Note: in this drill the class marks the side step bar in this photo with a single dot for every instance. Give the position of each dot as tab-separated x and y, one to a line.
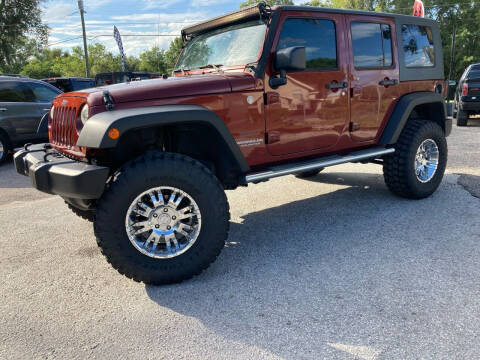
295	168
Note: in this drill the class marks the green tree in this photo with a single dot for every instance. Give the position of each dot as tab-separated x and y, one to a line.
171	55
268	2
21	33
44	64
153	60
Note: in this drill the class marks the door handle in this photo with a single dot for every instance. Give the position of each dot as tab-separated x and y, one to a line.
3	109
337	85
388	82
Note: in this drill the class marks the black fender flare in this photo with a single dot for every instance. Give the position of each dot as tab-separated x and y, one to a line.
403	110
95	132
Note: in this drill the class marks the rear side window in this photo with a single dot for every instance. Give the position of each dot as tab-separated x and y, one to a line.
15	92
473	74
418	47
318	37
372	45
43	93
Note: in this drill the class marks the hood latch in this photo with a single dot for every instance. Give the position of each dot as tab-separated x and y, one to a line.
108	101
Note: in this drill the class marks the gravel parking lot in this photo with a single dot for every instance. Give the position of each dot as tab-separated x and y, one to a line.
334	267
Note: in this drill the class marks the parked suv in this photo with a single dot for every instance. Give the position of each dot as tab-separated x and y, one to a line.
23	103
111	78
259	93
467	96
68	84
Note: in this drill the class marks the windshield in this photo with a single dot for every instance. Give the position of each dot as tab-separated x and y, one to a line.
234	45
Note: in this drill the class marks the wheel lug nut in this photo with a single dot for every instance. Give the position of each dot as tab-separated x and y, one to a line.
169	227
157	226
155	215
165	210
174	218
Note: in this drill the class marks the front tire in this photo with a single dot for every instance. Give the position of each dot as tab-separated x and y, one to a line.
88	215
4	147
163	219
416	169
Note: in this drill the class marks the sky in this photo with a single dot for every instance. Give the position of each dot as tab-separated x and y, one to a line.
133	18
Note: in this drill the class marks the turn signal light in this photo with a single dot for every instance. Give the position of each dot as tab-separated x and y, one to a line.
113	133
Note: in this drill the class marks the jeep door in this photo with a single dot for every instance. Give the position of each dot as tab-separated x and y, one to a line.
374	74
311	111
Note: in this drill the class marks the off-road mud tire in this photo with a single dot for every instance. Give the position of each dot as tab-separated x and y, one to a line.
399	167
151	171
88	215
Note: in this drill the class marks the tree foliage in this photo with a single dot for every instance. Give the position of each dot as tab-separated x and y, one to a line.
21	33
52	63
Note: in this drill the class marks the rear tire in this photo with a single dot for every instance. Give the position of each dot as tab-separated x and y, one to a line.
132	187
462	118
5	147
308	174
401	169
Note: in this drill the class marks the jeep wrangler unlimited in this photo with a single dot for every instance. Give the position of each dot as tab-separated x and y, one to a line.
259	93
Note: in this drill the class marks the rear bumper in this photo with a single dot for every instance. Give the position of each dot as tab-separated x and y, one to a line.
52	173
470	106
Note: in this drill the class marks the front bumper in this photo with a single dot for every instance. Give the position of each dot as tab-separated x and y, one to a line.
52	173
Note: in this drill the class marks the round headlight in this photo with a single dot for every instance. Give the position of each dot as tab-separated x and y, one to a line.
84	114
52	112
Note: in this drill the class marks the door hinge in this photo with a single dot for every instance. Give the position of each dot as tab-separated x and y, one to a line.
272	137
354	126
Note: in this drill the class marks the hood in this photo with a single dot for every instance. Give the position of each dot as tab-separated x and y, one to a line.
172	87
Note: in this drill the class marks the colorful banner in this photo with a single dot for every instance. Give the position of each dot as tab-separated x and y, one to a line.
418	9
118	38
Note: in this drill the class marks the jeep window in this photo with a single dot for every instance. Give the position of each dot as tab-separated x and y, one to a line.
239	44
317	35
43	93
418	46
15	92
372	45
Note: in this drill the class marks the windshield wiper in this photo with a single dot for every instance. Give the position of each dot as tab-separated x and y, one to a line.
216	67
182	70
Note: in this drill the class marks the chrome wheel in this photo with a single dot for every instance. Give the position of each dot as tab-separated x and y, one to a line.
426	161
163	222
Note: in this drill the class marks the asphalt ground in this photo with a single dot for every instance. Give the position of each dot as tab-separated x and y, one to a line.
334	267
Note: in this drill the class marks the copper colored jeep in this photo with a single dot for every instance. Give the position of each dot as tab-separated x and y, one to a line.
256	94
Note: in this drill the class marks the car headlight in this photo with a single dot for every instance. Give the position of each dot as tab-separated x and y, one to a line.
84	114
52	112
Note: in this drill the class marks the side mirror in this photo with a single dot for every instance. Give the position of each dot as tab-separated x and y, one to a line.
292	58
